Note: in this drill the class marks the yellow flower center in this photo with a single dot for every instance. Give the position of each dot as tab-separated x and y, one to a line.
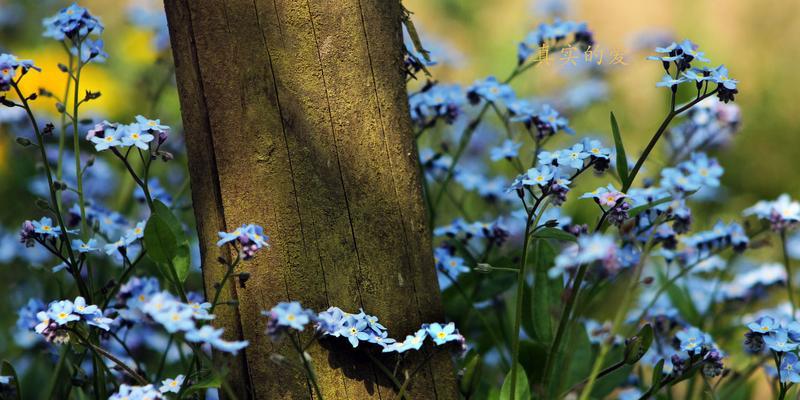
290	317
109	139
62	315
134	136
441	335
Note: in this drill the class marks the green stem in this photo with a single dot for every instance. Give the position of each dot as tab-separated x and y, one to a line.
312	376
787	265
661	129
228	272
63	139
59	365
402	393
532	221
77	145
102	352
53	197
618	317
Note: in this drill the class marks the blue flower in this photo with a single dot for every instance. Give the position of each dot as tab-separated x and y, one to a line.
490	90
355	330
85	247
112	138
781	213
521	111
113	247
8	69
439	101
449	263
790	368
152	125
509	149
71	22
779	341
127	392
414	341
62	312
726	86
172	385
290	315
573	157
5	379
538	176
596	149
764	325
692	339
91	50
133	136
45	227
548	121
720	76
99	321
82	308
553	34
443	334
669	81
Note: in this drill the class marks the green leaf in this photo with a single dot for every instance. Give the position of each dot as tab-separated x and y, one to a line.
546	293
212	382
182	261
159	240
555	233
473	367
638	345
533	357
8	370
658	375
622	159
522	391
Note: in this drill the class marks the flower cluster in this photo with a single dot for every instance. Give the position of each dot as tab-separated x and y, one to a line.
72	22
556	170
9	64
251	237
108	135
554	34
435	102
682	56
547	120
590	249
59	314
129	392
491	90
493	231
356	328
140	300
691	175
169	385
780	337
709	125
613	202
754	282
782	212
683	347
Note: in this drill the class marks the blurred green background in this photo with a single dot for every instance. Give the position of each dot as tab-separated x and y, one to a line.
755	39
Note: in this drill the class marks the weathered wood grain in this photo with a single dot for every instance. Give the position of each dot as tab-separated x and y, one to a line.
296	118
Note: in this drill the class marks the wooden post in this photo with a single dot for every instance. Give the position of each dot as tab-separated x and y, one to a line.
296	118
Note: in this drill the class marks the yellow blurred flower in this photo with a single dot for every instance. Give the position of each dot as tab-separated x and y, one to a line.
93	77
